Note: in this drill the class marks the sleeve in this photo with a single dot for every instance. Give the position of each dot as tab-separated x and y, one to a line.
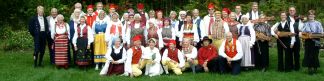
145	34
122	60
274	28
214	53
253	37
74	39
53	32
160	40
221	50
90	36
194	53
202	29
200	57
128	64
165	55
239	54
226	27
108	54
94	27
181	59
128	36
157	56
31	27
320	28
292	30
107	33
68	29
180	33
173	33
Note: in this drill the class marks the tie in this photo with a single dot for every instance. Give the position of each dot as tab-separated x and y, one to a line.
210	23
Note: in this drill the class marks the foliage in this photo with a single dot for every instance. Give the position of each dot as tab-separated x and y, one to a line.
16	40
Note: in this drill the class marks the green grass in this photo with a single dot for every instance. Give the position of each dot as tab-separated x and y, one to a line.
18	66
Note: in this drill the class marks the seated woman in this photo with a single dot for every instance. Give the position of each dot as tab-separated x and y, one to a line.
116	58
153	67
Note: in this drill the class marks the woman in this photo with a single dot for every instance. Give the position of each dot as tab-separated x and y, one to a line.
173	17
61	36
232	24
100	44
153	67
152	32
189	30
246	36
116	58
136	28
114	28
312	45
82	39
167	34
159	18
73	24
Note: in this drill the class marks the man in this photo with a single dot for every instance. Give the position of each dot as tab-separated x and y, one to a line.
254	13
135	62
51	21
238	12
284	42
297	27
77	6
38	28
91	16
207	57
209	19
112	10
144	15
225	14
218	29
99	7
190	54
231	54
182	17
173	58
200	26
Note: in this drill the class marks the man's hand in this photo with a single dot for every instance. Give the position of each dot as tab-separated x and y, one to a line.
75	48
276	36
291	46
88	47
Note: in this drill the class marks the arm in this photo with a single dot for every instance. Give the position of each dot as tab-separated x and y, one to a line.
221	50
252	32
90	36
274	28
31	27
239	54
173	33
165	55
75	37
128	64
108	54
157	56
292	30
181	59
68	29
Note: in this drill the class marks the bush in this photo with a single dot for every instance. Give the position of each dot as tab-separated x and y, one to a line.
17	40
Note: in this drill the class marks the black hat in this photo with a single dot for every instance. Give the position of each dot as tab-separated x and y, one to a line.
206	38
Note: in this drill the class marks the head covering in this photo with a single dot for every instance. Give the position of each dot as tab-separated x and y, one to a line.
112	6
140	6
90	6
210	6
152	39
137	37
228	11
207	39
172	42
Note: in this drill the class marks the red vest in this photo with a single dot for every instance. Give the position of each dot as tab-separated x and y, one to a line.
230	50
113	30
90	20
173	54
84	31
137	54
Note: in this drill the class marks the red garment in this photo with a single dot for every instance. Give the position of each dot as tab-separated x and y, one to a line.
173	54
137	54
210	23
230	50
113	29
143	18
206	53
84	31
91	19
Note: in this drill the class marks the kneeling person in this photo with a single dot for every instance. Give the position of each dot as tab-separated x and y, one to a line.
173	58
207	57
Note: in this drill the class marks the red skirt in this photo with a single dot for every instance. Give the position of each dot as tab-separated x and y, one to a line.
61	51
115	69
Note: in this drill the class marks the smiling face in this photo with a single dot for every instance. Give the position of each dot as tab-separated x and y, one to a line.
292	11
151	44
82	20
117	42
283	16
211	11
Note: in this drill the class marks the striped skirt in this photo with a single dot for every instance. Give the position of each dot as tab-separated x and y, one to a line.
61	50
100	48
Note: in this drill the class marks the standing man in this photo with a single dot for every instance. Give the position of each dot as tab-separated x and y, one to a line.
209	19
51	23
254	13
200	26
144	15
238	12
38	28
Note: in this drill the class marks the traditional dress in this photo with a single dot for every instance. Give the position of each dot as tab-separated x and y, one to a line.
61	39
100	43
208	54
51	22
284	26
114	30
247	38
190	52
208	21
189	30
173	59
83	37
117	54
91	19
261	47
233	28
217	32
252	15
154	67
231	49
312	46
200	29
134	30
135	61
153	32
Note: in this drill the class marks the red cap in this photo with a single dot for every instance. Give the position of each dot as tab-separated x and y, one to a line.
112	6
210	6
228	11
137	37
172	42
140	6
90	6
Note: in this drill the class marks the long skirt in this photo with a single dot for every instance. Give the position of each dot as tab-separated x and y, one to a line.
311	54
82	55
100	48
61	50
115	69
247	59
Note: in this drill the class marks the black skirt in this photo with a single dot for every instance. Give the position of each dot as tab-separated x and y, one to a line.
311	54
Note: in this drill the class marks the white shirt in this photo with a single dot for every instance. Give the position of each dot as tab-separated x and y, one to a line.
148	54
202	27
129	59
41	23
51	22
192	55
252	32
89	32
239	54
108	36
206	23
255	15
193	30
291	28
165	57
116	50
58	30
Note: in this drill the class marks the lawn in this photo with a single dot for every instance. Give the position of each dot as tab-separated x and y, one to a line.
18	66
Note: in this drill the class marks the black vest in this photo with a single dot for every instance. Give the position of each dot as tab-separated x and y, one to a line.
180	24
118	55
285	29
296	24
250	14
246	31
198	27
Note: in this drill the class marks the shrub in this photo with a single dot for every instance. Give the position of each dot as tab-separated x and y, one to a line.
17	40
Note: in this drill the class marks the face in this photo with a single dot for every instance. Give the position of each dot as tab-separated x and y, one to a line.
224	14
126	17
151	24
188	18
292	11
229	36
183	16
115	16
140	10
102	15
255	7
117	42
151	44
82	20
40	12
78	7
111	10
232	16
131	18
245	20
211	11
137	43
152	15
171	45
99	6
166	23
60	19
283	16
54	13
138	18
195	13
77	14
173	15
311	17
238	9
218	16
90	11
186	43
206	43
159	15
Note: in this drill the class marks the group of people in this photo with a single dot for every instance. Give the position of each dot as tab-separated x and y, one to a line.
137	42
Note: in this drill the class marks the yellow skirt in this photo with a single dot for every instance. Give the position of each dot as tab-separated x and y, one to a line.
100	48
